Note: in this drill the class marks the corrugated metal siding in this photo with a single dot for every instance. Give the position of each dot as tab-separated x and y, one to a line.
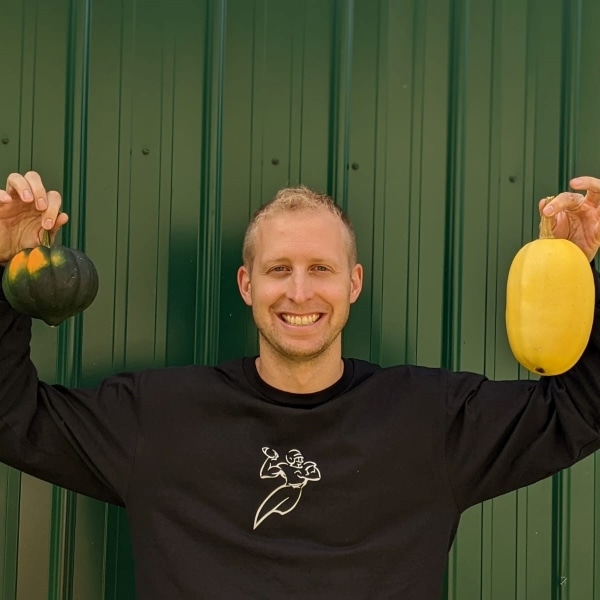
166	123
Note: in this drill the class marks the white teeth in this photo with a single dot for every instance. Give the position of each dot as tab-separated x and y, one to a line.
299	321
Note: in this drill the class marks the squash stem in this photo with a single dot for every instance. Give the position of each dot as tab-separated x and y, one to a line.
46	238
546	228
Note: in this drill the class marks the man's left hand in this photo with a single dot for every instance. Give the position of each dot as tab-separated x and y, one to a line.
577	215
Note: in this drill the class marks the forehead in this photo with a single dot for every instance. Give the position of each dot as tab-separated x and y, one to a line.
301	231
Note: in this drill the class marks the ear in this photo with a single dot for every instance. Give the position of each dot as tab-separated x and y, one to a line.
356	282
243	281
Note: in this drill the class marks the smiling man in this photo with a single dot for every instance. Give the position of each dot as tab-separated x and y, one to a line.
300	277
209	462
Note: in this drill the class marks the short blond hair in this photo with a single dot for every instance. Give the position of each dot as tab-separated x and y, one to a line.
295	199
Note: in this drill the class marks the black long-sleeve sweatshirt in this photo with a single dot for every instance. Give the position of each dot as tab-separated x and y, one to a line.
236	490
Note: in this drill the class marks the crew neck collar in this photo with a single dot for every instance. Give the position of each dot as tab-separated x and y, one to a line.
278	396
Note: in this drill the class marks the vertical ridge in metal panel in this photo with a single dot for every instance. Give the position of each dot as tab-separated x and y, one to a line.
456	123
398	263
27	89
571	35
499	532
379	183
165	186
341	83
189	32
207	316
35	498
10	485
453	253
258	103
11	119
297	92
415	199
505	541
499	120
596	526
121	266
62	531
570	89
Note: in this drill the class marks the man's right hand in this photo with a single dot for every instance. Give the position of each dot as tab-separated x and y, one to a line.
26	210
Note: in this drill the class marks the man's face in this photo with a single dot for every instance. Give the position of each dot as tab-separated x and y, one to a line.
301	283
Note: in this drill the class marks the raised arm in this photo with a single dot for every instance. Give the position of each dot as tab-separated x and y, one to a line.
83	440
503	435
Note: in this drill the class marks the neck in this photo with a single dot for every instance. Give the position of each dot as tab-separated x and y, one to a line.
300	377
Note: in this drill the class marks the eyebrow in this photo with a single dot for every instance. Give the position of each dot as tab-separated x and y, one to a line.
282	259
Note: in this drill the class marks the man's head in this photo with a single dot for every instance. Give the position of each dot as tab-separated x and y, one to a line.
290	200
300	275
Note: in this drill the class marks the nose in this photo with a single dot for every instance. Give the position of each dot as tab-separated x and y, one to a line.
300	288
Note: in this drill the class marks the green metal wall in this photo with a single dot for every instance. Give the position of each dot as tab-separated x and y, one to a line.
165	123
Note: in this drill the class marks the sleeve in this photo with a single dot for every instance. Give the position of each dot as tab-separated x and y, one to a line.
504	435
82	440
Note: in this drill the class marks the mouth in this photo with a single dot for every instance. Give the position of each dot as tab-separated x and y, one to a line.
300	320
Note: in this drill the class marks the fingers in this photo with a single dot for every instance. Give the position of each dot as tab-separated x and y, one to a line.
18	188
572	201
61	220
52	213
29	189
589	184
568	201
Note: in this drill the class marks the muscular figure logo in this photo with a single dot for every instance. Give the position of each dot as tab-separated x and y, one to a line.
296	473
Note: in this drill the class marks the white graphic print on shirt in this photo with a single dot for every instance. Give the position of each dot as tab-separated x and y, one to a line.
296	473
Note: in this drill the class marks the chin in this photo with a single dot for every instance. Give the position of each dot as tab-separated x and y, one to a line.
294	349
302	353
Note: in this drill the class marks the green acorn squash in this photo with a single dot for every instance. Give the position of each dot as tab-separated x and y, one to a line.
50	282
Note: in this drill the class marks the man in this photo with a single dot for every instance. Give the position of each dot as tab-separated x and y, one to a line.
395	455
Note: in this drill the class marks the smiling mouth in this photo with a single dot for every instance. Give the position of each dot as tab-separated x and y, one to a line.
300	321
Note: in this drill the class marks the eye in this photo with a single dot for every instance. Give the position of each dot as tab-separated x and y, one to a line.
321	268
278	269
